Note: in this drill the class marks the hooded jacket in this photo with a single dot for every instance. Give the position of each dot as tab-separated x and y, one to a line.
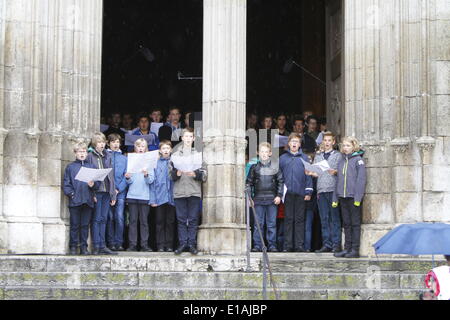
104	161
161	190
351	177
266	180
79	192
295	179
119	163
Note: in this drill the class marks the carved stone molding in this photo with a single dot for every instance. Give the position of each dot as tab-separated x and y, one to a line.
426	143
374	147
401	145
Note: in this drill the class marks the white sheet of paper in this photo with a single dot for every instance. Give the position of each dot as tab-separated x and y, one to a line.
284	192
280	141
130	139
89	174
318	167
188	162
155	127
139	161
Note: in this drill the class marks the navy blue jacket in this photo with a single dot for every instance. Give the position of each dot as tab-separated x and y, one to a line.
79	192
119	162
295	179
161	190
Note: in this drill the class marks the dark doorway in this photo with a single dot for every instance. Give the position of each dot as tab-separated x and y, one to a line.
279	30
145	45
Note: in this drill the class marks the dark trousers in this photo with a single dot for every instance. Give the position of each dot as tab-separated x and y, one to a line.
351	219
330	221
80	217
138	215
188	211
165	226
294	221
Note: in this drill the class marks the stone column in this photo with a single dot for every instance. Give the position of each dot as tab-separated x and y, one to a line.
50	59
393	49
224	95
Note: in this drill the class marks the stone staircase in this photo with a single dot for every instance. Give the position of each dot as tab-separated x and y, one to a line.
166	276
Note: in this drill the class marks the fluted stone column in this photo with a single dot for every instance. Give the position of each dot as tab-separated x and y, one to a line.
396	103
224	95
50	60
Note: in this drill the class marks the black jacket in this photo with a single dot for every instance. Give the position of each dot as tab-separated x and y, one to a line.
79	193
266	181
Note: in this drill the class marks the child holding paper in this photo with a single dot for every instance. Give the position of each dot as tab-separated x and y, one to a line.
138	197
161	198
105	196
266	180
81	200
326	181
349	192
187	194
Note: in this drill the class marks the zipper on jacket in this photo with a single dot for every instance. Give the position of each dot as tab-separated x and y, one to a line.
345	176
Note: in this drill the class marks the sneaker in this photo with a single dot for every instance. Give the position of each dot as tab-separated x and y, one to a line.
160	250
273	249
352	254
84	251
300	249
96	251
337	249
73	251
169	250
146	249
323	250
106	251
193	250
180	249
119	248
132	249
288	250
256	249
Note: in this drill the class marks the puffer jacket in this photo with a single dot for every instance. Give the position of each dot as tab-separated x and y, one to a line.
351	177
266	181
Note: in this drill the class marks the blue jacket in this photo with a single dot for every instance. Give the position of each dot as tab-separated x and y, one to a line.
139	186
151	147
119	162
161	190
295	179
79	192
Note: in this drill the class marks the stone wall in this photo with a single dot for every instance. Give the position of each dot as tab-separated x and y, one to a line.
50	71
397	102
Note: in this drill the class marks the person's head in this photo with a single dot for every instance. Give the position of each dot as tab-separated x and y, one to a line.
350	145
299	125
187	136
328	141
174	115
156	115
267	122
98	141
140	146
323	124
252	120
294	142
306	114
165	148
114	141
80	150
264	151
127	120
116	119
281	121
143	123
312	123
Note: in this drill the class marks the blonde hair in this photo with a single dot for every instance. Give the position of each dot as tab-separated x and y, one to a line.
79	145
165	143
353	141
295	135
98	137
139	142
264	145
185	130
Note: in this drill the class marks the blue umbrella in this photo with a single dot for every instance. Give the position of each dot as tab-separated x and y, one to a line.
416	239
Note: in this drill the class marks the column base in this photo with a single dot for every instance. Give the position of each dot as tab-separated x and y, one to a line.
55	238
25	237
222	238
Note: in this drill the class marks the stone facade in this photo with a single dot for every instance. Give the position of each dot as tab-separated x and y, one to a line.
393	93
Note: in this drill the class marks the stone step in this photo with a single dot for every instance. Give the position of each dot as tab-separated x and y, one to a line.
157	262
104	293
222	280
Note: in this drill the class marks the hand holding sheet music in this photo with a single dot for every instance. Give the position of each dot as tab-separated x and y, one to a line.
318	168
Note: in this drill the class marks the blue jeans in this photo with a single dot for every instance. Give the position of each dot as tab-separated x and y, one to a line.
308	228
188	211
267	216
116	223
100	217
330	220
